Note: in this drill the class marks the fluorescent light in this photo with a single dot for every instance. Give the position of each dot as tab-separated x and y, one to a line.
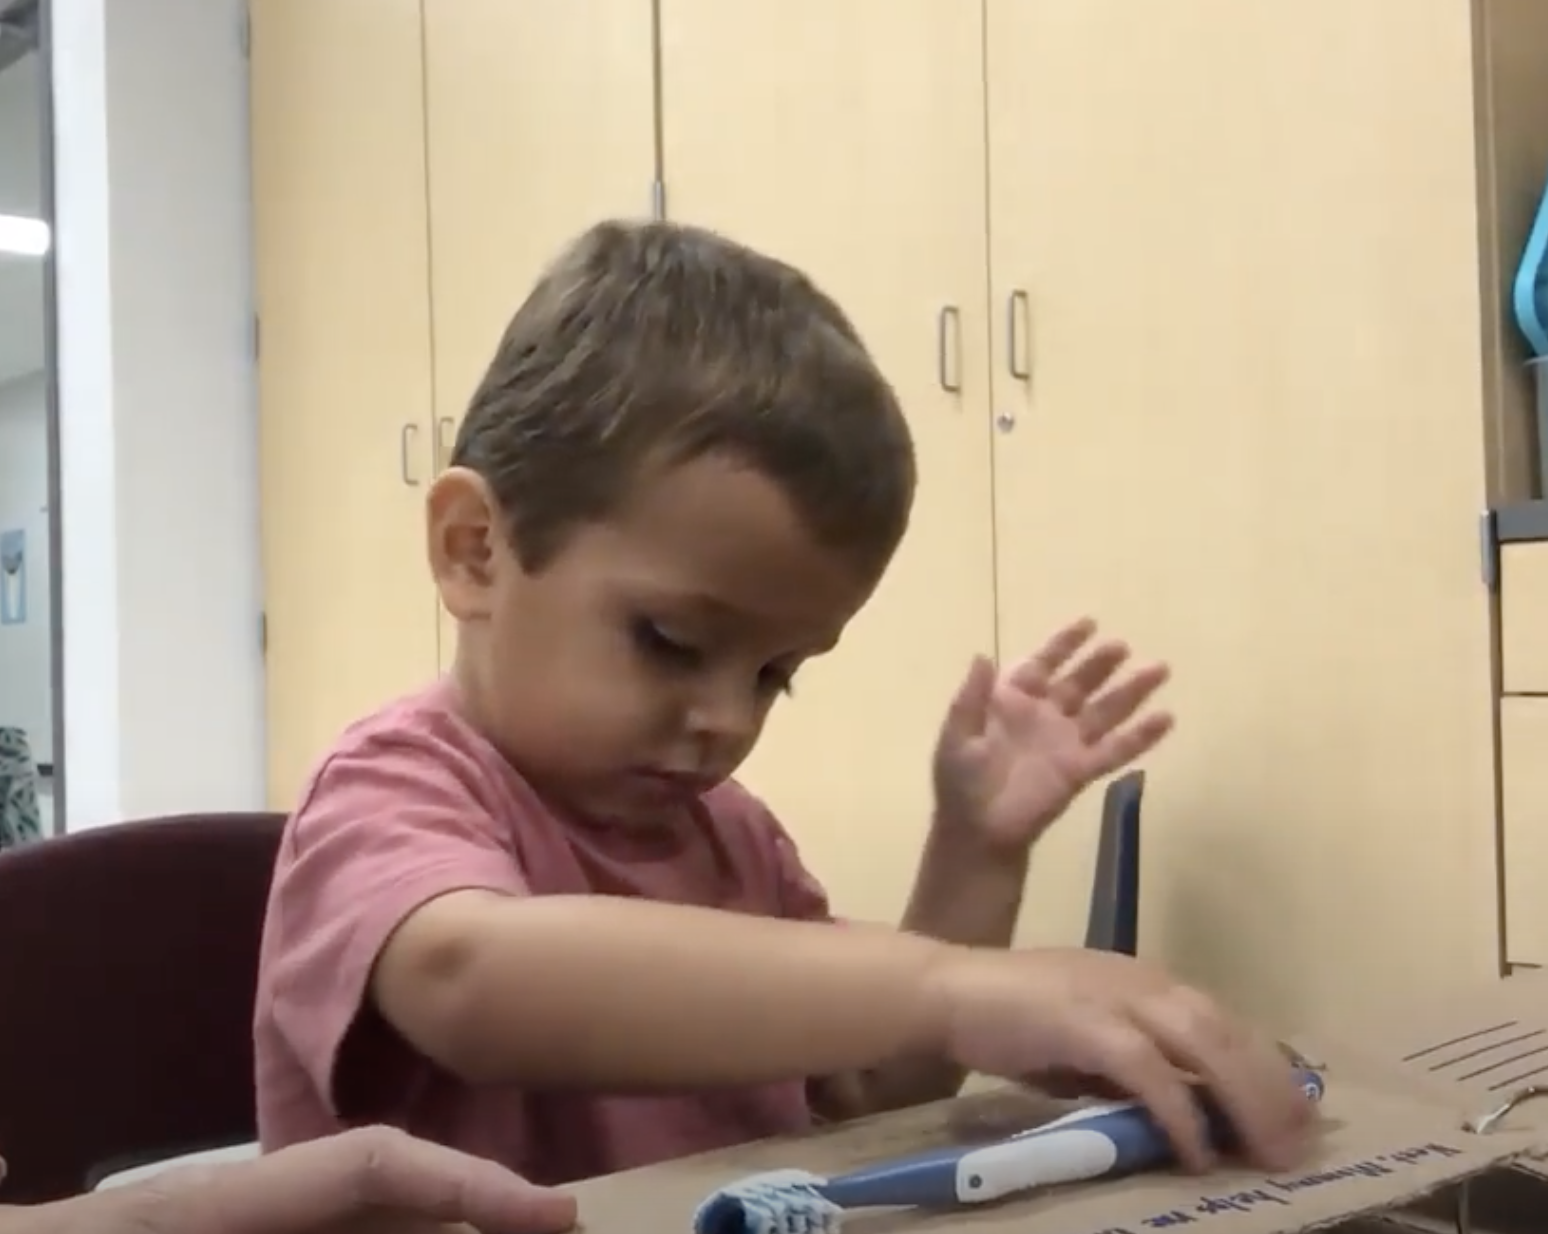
23	236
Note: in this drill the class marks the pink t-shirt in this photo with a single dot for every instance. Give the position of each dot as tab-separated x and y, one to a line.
413	803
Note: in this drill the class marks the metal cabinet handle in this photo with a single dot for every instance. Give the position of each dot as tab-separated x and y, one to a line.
1018	344
948	349
445	440
408	438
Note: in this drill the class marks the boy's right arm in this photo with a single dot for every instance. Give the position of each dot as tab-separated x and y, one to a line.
398	887
628	995
624	994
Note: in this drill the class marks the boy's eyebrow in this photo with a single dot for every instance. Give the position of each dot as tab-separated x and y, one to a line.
671	597
714	606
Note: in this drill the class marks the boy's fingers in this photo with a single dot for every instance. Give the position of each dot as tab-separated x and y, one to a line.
1074	690
1247	1075
968	714
1037	670
1116	706
1125	1054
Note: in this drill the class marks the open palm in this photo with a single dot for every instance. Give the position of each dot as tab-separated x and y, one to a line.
1018	746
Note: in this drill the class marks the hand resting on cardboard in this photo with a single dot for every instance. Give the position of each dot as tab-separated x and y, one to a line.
369	1181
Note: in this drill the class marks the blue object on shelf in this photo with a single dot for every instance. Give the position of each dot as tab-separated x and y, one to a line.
1529	294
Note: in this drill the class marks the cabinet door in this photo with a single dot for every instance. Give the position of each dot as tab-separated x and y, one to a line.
344	370
541	123
1524	819
1240	241
848	139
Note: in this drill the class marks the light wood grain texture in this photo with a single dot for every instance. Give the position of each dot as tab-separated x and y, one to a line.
1263	385
541	119
342	275
1524	620
1524	803
848	139
1250	443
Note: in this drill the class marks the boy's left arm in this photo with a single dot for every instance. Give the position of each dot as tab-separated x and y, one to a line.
1014	751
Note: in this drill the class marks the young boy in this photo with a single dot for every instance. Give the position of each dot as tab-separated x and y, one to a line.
527	913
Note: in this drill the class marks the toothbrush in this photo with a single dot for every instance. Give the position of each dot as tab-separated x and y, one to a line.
1104	1141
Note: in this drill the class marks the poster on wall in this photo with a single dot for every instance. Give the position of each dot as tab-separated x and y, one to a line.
13	577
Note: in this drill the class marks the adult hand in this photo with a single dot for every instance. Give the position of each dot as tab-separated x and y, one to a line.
369	1181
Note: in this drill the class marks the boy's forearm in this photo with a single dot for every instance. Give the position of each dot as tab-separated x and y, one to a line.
966	894
631	995
963	895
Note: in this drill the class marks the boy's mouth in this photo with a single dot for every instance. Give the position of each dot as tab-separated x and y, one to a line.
675	784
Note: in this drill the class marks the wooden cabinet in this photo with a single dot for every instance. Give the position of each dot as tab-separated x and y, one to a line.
1191	402
344	384
848	140
1524	620
1524	809
1235	274
414	166
541	121
1523	582
1196	311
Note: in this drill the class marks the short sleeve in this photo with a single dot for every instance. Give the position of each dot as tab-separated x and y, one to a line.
382	832
799	893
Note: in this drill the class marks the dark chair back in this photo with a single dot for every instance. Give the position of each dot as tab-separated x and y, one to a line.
1113	924
128	964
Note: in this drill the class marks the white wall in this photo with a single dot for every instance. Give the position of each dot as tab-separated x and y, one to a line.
163	675
26	685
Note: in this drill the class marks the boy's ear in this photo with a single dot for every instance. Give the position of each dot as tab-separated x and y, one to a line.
463	525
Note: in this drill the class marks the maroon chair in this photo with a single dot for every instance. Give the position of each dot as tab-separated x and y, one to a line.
128	962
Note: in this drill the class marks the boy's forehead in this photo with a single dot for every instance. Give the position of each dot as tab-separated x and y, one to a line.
725	538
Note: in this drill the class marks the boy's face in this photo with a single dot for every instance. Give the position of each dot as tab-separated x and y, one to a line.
636	669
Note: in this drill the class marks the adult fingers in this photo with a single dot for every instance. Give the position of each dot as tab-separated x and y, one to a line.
496	1201
329	1183
415	1176
1249	1077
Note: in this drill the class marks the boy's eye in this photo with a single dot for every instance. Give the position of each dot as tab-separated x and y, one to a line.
660	646
655	642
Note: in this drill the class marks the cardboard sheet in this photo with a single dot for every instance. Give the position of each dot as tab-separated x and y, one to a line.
1402	1092
1378	1147
1471	1049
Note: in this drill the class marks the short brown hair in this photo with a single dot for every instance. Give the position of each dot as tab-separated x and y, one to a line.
656	342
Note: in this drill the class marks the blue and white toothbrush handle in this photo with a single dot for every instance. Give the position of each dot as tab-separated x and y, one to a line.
1097	1142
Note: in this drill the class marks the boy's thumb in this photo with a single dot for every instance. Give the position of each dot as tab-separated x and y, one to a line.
968	714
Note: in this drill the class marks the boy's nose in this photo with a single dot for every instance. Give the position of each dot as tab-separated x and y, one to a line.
724	717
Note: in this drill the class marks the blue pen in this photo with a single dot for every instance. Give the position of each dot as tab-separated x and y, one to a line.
1105	1141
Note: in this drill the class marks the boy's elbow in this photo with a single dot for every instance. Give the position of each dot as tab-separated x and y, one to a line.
428	984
